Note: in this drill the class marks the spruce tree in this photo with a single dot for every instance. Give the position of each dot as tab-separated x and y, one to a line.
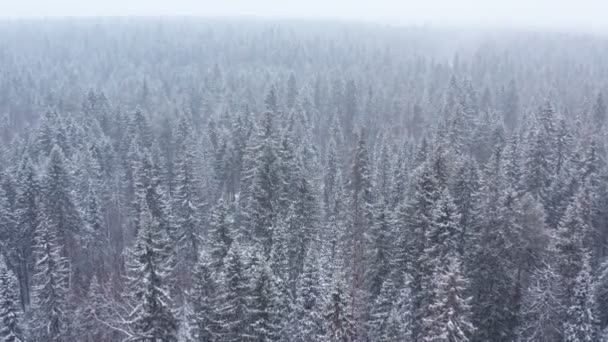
221	234
540	313
152	318
309	302
187	210
450	311
60	210
234	315
94	311
338	316
49	318
383	307
262	310
600	296
11	329
263	180
580	323
204	302
27	217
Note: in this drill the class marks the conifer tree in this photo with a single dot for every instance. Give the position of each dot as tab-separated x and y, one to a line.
92	313
600	296
450	318
337	316
383	307
27	217
11	326
414	219
96	241
568	246
59	208
234	315
580	323
49	318
187	211
203	298
309	302
262	203
599	112
221	234
362	214
540	313
152	318
262	308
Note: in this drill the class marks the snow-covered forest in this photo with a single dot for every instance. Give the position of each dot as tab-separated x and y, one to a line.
199	180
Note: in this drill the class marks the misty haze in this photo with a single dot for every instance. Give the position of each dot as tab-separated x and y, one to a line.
303	171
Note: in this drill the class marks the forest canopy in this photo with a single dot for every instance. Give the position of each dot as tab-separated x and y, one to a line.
271	180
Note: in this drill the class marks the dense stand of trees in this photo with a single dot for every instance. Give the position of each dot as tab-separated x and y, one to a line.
191	180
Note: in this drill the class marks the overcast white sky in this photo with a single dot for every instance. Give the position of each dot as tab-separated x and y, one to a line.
581	15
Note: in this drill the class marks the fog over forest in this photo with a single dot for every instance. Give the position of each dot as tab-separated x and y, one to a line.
294	173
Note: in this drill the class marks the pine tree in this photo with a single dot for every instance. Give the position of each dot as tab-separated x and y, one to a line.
11	328
152	318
